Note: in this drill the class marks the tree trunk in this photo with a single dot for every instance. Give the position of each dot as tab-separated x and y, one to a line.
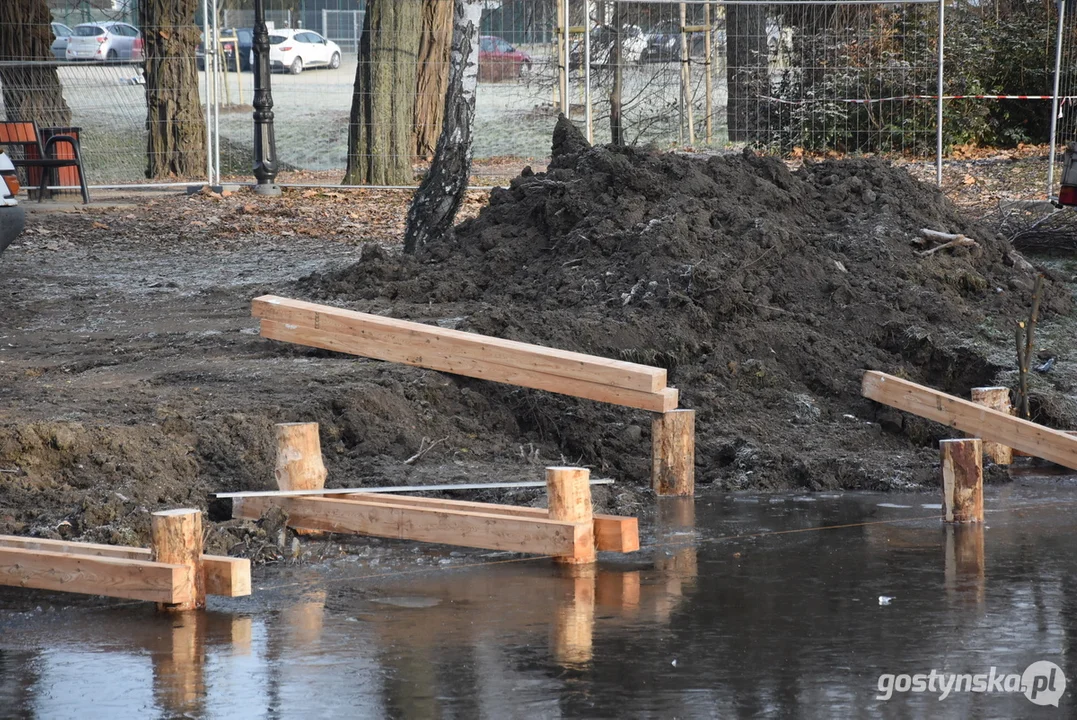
177	130
434	206
31	92
433	69
746	70
380	126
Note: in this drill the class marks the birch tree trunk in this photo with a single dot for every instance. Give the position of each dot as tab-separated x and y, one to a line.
177	129
380	126
438	198
31	92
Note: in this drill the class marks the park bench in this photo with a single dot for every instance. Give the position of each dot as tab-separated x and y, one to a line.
58	151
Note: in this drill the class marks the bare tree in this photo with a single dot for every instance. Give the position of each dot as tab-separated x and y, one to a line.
381	123
438	198
32	90
174	117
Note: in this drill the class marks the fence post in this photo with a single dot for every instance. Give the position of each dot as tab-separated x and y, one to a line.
939	91
1054	99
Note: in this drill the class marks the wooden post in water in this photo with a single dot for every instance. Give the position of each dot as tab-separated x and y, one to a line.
574	624
673	452
964	564
996	398
962	480
177	539
569	499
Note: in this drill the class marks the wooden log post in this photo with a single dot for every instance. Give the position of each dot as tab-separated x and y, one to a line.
996	398
177	539
673	452
299	460
574	623
962	480
569	500
299	457
964	563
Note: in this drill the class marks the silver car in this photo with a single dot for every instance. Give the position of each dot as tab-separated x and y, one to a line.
105	41
61	34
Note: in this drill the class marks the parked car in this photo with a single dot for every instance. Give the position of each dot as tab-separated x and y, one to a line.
633	42
60	34
296	50
111	41
12	216
229	50
498	60
664	43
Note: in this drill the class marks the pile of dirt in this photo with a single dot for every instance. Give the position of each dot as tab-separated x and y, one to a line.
764	292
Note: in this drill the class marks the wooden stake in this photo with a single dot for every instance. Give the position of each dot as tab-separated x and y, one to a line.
177	539
569	500
673	452
299	457
962	480
996	398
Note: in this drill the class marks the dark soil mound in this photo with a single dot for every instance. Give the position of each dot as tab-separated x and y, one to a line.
765	293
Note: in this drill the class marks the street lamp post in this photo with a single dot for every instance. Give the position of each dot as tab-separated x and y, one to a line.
265	145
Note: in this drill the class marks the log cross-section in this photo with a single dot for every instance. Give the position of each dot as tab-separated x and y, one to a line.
487	358
978	420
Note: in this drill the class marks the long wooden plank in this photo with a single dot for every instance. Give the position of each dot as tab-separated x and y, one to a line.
448	527
972	418
661	401
613	533
226	576
427	340
95	575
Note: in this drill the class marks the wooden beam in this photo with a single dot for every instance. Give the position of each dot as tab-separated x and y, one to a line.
96	575
541	536
968	417
660	401
225	576
390	336
613	533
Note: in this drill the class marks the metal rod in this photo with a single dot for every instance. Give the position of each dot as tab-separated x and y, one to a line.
1054	100
567	107
587	75
216	96
941	81
395	489
205	70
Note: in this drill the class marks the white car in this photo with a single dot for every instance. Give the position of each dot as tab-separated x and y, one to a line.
12	217
109	41
294	50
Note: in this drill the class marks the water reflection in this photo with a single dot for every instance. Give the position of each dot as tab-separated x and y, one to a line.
715	618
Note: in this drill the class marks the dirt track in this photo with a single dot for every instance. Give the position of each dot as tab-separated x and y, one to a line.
132	377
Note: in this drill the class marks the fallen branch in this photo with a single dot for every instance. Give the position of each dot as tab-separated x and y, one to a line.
951	239
422	443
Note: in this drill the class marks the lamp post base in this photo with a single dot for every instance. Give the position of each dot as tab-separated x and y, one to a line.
267	189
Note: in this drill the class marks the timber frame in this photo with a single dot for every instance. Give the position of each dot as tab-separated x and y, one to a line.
506	361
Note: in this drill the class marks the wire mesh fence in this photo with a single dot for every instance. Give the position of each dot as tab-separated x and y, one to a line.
811	76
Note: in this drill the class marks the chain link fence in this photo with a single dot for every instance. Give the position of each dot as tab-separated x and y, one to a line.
787	78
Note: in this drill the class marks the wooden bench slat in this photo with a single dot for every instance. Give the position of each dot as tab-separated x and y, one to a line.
423	340
96	575
662	401
433	525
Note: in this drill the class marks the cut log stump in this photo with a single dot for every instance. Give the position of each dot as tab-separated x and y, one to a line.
962	480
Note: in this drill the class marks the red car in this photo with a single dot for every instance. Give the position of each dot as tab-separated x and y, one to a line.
499	61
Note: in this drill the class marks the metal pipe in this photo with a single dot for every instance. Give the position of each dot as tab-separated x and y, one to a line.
395	489
587	75
941	81
216	97
205	70
1054	100
567	106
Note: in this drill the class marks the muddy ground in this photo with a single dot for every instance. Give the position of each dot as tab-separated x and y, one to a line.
133	379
